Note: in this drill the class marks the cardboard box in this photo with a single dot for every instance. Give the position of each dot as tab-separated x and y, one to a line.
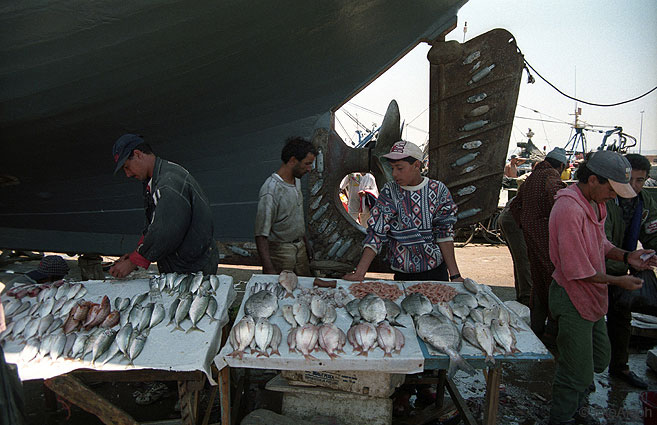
373	384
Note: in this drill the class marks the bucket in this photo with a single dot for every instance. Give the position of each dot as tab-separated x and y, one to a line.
649	407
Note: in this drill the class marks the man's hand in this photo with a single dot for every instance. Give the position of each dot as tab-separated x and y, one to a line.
354	277
122	267
629	282
634	259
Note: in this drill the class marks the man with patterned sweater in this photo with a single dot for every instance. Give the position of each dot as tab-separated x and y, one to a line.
415	216
179	230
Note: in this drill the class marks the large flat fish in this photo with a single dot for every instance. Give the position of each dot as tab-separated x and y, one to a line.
444	336
261	304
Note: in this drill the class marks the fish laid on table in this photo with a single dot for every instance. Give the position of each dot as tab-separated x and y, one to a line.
444	336
145	317
111	320
214	282
172	311
372	308
363	337
330	315
416	304
352	309
182	311
292	340
471	285
301	312
276	338
102	343
461	311
306	340
241	336
504	336
123	337
289	281
197	280
197	311
261	304
392	312
445	309
386	338
212	308
288	315
57	346
9	328
466	299
157	316
136	346
330	339
263	336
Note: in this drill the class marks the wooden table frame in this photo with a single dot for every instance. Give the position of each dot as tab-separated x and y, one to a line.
72	387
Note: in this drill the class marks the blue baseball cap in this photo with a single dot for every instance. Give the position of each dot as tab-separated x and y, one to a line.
123	148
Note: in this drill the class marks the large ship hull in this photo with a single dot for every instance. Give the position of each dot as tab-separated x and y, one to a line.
214	86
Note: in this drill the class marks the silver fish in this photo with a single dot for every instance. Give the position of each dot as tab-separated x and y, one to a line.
486	341
288	315
504	336
197	280
44	324
445	309
62	291
470	335
489	314
197	311
70	341
477	315
123	338
261	304
157	316
66	308
185	284
484	301
9	328
372	309
58	305
46	307
400	341
416	304
24	306
78	346
31	329
55	325
57	346
466	299
352	309
471	285
301	313
172	310
214	282
81	293
289	281
441	333
136	347
276	338
460	310
117	302
145	317
111	352
30	351
102	343
75	288
182	311
392	312
318	307
330	315
19	326
44	346
138	299
212	308
135	314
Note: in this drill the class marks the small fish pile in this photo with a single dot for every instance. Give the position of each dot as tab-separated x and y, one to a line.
32	289
174	283
373	318
284	288
436	292
337	297
384	290
192	307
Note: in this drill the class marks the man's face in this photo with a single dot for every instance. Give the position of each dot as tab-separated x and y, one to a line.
136	166
406	174
637	179
601	193
303	166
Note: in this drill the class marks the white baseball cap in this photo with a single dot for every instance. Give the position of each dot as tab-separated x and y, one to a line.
403	149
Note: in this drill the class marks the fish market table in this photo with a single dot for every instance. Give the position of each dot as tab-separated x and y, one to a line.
166	355
531	349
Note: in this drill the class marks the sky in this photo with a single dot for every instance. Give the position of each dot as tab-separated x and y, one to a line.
599	51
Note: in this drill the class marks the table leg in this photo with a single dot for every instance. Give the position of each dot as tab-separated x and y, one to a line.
188	402
440	388
492	395
459	402
224	395
73	390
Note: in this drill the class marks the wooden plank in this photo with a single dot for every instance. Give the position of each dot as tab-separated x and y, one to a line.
224	395
492	395
440	388
188	403
72	389
466	415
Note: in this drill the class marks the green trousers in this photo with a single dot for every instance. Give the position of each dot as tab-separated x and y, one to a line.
583	349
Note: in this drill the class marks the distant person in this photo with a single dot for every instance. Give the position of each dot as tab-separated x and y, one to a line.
578	293
367	195
511	169
415	216
280	231
531	210
179	228
629	221
350	186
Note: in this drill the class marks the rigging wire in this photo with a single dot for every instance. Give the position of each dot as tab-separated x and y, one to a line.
541	113
344	129
580	100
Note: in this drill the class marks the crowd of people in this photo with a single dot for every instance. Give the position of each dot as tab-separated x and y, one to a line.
579	243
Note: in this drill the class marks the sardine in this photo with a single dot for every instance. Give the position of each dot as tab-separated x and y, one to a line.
145	317
443	335
197	280
135	348
214	282
123	338
172	310
212	308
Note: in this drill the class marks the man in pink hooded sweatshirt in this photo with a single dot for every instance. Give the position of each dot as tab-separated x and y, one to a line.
578	294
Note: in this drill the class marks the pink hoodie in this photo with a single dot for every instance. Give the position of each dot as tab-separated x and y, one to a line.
578	246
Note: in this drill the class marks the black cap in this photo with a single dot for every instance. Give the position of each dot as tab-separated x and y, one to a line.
50	265
123	147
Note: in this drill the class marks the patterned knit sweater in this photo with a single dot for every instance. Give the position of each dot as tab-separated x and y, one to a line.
412	220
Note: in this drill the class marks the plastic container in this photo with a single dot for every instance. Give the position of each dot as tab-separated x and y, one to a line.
649	407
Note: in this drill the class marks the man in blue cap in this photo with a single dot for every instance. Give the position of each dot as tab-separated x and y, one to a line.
179	229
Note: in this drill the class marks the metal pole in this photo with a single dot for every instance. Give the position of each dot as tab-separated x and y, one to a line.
641	132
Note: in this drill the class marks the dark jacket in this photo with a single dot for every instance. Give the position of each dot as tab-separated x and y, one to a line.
179	229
